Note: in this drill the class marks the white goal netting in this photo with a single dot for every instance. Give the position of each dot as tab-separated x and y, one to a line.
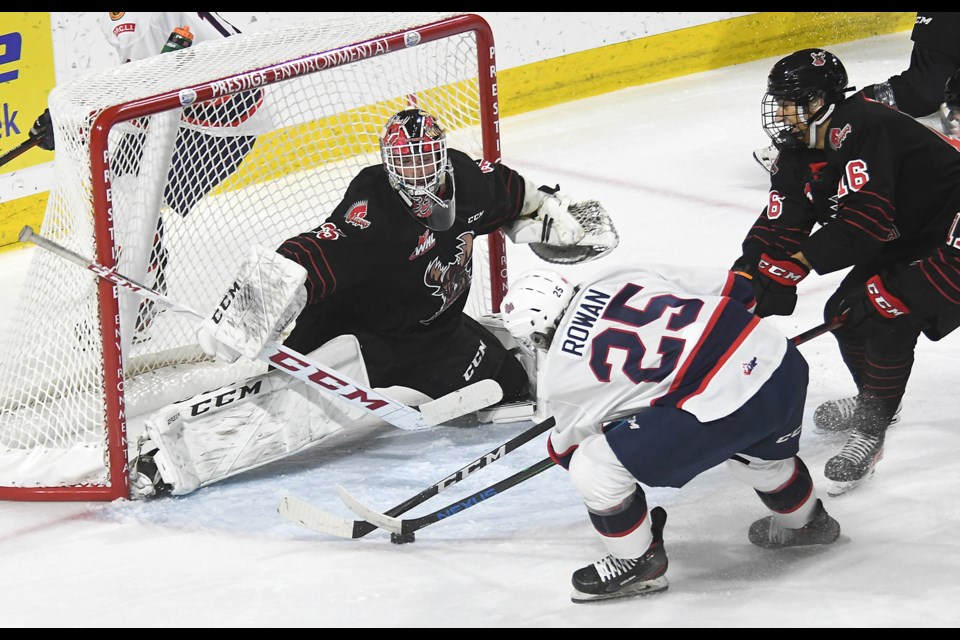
170	168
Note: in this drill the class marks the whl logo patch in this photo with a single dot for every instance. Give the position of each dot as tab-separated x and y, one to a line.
424	244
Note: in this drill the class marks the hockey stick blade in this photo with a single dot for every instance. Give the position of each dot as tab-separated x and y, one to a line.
404	527
306	515
471	398
299	512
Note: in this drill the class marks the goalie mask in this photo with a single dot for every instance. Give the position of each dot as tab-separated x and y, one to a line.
533	306
413	148
802	90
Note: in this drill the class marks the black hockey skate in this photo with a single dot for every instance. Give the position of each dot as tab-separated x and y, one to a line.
841	415
612	577
770	534
855	463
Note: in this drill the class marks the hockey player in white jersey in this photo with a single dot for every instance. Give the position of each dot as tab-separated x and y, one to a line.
655	375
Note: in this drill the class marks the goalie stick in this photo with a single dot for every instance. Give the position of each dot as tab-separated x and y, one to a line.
319	376
395	525
299	512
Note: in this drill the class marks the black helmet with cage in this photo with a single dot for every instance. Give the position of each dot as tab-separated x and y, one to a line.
793	83
413	147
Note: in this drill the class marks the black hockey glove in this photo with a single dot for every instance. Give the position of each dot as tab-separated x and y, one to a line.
745	266
43	129
775	285
873	311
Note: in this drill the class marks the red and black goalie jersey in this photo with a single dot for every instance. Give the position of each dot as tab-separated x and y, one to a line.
374	268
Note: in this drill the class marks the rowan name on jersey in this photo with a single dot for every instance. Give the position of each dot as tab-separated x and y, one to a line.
585	317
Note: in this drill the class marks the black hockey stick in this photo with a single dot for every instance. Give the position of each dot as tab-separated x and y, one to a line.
306	515
405	528
19	150
818	330
402	530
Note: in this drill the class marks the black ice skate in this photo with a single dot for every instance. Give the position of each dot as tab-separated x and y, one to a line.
855	463
612	577
841	415
770	534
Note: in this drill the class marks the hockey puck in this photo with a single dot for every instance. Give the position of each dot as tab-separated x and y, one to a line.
402	538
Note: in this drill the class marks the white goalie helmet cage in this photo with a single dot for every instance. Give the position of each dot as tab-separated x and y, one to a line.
413	148
533	306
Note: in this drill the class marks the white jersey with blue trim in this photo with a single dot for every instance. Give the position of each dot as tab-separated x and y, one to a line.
657	335
137	35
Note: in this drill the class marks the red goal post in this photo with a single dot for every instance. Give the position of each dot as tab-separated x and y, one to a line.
288	116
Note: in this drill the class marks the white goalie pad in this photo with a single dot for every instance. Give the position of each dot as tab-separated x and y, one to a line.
515	411
222	433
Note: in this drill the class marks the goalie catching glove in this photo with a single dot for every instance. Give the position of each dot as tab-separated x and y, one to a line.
261	306
560	230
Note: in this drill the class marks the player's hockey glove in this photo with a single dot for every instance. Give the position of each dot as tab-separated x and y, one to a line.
873	310
43	129
775	285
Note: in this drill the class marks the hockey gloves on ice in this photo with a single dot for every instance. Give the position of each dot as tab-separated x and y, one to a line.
873	310
775	285
43	129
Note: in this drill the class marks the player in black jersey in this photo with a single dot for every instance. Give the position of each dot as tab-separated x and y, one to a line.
918	90
392	264
885	192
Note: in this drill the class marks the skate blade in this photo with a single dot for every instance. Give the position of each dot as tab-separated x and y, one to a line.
837	488
646	588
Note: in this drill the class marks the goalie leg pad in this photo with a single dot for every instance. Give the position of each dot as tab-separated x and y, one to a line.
284	417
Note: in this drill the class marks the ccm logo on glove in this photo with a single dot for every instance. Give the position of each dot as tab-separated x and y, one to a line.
785	272
886	304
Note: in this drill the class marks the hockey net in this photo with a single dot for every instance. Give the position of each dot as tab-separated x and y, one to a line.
286	118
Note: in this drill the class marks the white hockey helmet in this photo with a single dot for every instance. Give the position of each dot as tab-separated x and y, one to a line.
534	305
